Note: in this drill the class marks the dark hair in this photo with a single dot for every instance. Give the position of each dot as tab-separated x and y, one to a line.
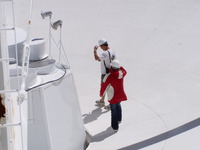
104	44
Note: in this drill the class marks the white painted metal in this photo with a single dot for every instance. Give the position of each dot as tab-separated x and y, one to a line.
7	91
3	54
20	39
8	28
37	49
46	89
55	118
7	59
5	0
9	125
16	136
7	133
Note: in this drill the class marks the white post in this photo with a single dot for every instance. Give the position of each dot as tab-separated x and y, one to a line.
50	37
60	45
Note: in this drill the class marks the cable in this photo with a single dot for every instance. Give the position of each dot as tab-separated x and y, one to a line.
63	68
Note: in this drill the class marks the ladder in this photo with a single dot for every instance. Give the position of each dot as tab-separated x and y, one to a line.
14	135
13	28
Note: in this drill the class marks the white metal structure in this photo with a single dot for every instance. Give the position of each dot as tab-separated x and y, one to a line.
14	126
41	103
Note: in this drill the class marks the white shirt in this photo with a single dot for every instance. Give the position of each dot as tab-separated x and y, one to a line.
104	56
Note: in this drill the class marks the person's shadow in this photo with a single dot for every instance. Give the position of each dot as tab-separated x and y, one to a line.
93	115
102	135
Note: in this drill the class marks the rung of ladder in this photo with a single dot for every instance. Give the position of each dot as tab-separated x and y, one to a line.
7	91
8	28
9	125
7	59
5	0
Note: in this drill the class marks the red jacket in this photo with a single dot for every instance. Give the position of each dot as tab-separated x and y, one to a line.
113	84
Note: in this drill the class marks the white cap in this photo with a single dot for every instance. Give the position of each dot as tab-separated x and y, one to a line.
102	41
115	63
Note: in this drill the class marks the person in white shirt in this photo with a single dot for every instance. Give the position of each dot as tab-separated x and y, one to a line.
105	59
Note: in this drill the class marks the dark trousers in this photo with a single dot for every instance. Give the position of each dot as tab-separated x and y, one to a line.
116	115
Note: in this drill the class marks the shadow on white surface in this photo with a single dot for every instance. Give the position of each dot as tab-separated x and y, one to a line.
164	136
103	135
93	115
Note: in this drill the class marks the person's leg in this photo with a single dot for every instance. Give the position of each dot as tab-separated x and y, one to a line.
119	112
101	101
103	97
114	119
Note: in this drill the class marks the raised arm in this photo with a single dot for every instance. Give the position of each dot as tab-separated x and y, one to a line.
96	57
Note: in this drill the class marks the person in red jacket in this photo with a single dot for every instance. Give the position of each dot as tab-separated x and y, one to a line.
113	84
